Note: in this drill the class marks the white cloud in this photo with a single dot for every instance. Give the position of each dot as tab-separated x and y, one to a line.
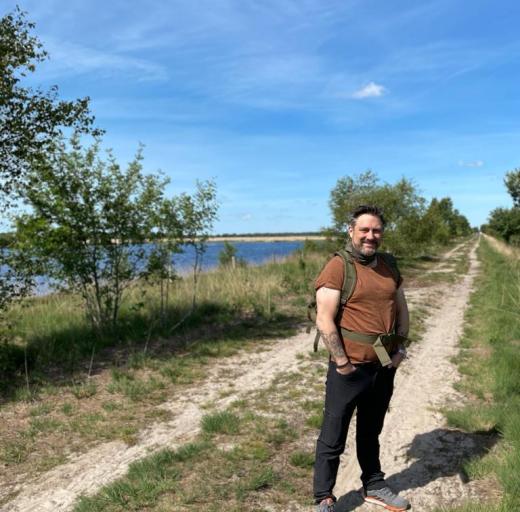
371	90
474	163
246	216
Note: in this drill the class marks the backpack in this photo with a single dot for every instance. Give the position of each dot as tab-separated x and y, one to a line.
349	284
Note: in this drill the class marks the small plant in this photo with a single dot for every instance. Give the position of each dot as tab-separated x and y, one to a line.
220	423
14	452
67	408
84	389
315	421
302	459
227	256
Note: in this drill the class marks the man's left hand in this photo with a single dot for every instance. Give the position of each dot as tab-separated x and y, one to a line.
397	359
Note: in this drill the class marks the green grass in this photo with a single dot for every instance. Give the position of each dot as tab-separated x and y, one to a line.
145	482
490	363
238	311
224	422
302	459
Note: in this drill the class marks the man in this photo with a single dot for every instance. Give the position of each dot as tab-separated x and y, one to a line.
356	377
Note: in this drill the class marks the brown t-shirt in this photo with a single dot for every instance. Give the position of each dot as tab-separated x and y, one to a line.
372	307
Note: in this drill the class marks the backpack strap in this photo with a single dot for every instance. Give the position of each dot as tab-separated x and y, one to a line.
349	278
391	263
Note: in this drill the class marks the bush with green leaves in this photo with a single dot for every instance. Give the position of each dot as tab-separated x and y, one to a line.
505	222
89	223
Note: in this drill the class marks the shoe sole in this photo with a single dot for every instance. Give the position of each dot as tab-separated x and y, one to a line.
375	501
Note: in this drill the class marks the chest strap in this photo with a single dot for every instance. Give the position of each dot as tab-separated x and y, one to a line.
383	344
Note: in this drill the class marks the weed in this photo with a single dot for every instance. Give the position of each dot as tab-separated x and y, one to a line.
42	425
111	405
135	389
67	408
259	479
41	409
224	422
302	459
84	389
14	452
315	420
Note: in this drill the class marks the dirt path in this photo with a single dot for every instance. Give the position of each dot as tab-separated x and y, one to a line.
420	463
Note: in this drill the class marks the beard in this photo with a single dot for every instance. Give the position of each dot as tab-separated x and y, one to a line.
366	250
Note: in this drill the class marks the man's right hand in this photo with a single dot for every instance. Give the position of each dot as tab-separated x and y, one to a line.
347	369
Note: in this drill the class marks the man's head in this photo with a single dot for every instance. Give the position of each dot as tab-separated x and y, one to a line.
366	226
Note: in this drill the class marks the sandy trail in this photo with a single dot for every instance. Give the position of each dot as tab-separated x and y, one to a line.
420	463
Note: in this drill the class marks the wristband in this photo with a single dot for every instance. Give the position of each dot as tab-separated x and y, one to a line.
344	365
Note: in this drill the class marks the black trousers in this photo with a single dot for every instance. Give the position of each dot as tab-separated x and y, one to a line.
369	389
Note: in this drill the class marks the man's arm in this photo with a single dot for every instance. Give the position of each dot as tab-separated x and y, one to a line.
402	322
327	301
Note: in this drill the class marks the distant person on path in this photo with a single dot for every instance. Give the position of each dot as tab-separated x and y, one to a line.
365	340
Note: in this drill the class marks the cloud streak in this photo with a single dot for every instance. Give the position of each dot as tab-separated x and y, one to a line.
80	59
472	164
371	90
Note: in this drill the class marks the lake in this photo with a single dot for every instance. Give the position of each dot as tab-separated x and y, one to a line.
254	253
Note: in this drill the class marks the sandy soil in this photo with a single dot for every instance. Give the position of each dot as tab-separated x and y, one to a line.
419	452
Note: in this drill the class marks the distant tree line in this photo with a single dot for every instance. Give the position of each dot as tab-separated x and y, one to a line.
505	222
413	224
284	233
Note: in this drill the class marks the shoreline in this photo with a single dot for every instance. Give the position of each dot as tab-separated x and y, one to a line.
273	238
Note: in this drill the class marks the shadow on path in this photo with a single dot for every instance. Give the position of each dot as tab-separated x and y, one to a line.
436	454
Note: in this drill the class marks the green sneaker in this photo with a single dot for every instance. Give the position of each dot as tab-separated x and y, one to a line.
386	498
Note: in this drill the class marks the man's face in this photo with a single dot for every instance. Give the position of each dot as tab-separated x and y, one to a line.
367	234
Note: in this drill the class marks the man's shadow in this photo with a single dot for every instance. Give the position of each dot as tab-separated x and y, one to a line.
439	453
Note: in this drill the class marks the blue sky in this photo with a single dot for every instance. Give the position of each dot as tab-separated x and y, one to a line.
278	99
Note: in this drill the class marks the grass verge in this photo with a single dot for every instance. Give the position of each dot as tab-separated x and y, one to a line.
490	363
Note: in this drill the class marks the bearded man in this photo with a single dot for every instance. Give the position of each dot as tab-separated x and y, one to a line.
362	364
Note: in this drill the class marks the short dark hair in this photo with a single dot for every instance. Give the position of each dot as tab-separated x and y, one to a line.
363	209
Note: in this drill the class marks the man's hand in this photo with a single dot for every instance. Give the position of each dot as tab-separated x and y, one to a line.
397	359
347	369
